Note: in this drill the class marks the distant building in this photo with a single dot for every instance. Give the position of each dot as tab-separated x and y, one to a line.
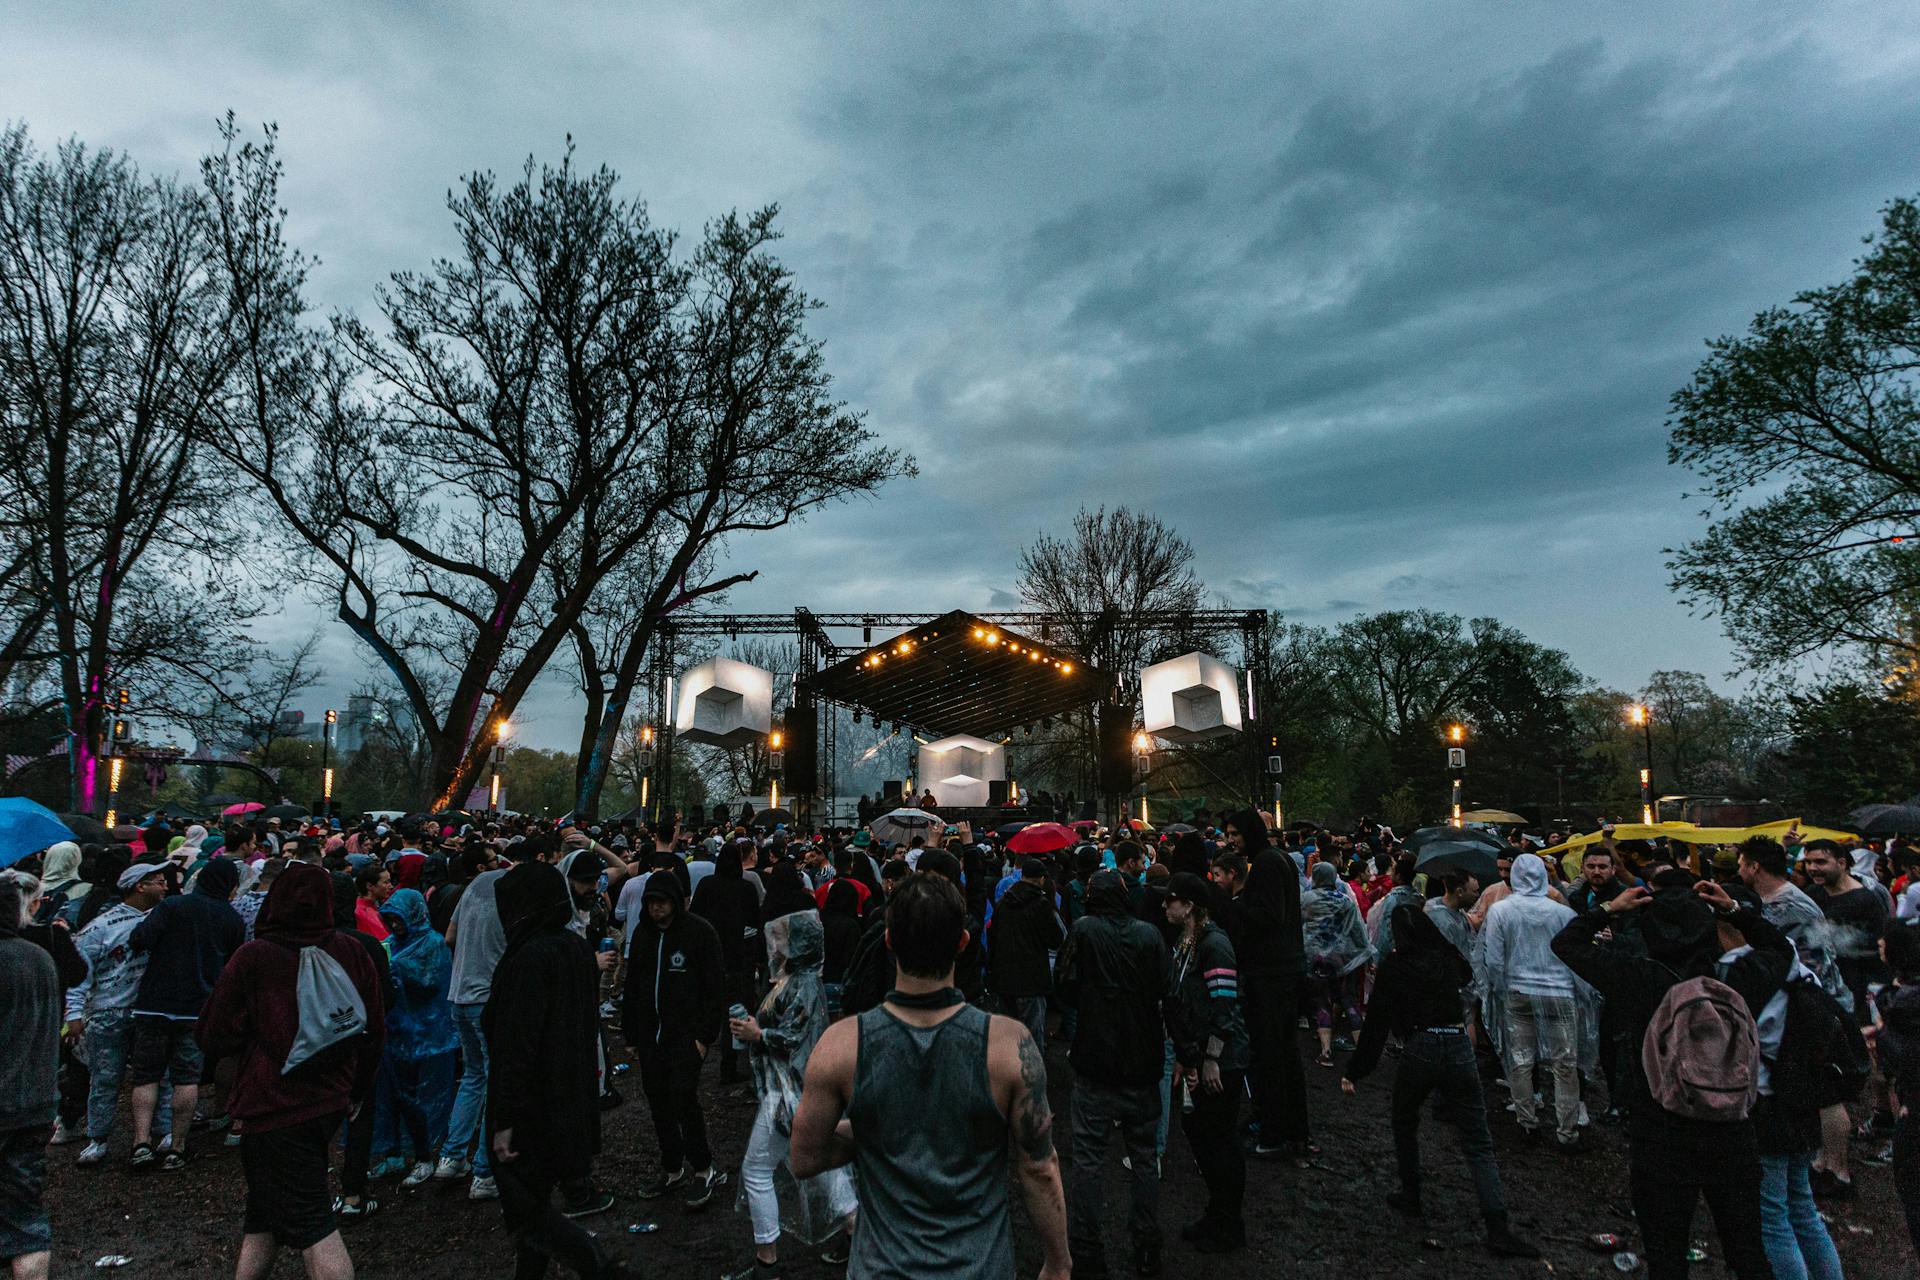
363	717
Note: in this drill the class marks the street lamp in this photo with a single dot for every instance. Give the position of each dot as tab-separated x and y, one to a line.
501	728
775	758
1639	713
1457	763
326	764
646	765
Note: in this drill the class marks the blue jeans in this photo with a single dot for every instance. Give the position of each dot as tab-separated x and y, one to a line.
1795	1238
1166	1103
470	1103
108	1042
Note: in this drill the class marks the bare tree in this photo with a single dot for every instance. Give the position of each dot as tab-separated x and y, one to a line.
116	352
1112	571
559	398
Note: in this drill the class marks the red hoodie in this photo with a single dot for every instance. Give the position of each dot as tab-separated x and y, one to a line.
254	1011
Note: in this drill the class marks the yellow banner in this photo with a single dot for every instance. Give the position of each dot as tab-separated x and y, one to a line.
1687	833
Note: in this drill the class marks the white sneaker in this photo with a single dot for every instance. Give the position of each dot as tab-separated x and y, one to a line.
92	1153
483	1189
448	1169
62	1135
420	1174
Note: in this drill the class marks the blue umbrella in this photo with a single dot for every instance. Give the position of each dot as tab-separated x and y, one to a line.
27	828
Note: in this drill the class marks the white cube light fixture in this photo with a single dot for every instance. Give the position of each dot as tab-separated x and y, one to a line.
958	770
1190	698
724	703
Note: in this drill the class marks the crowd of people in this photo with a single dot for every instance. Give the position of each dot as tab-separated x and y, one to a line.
458	1001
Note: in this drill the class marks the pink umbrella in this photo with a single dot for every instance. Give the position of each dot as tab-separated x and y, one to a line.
1041	837
244	807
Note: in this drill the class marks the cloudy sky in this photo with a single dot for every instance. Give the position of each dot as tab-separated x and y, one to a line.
1379	303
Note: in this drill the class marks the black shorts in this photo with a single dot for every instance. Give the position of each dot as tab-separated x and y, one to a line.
164	1049
23	1192
287	1193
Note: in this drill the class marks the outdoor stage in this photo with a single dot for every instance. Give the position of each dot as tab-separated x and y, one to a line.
948	676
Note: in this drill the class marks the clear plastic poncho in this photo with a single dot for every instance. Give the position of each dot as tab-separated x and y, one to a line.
792	1018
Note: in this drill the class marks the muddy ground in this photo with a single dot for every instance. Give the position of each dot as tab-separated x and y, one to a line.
1324	1220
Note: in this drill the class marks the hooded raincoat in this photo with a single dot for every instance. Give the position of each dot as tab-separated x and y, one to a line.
420	1022
1516	955
1334	936
792	1018
61	884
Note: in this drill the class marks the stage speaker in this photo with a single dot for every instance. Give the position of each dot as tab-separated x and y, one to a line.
803	749
997	793
1116	750
893	786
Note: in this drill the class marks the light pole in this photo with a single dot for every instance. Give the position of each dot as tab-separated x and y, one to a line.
776	757
1641	714
646	769
1273	771
1142	762
326	764
501	728
1456	763
122	733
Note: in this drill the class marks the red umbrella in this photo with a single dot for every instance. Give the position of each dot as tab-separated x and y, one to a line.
1042	837
245	806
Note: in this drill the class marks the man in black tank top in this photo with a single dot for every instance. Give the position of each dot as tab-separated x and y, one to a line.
929	1099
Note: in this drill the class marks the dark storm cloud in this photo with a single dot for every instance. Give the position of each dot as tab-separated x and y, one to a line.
1379	304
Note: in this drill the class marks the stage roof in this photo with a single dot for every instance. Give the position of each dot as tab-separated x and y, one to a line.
962	674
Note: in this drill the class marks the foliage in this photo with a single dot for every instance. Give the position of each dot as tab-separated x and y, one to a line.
1805	432
1849	746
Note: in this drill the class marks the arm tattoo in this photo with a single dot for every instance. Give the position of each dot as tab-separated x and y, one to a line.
1032	1116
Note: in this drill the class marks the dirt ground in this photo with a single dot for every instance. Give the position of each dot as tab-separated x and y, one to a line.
1324	1220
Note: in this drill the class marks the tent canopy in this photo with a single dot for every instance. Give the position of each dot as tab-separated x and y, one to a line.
960	674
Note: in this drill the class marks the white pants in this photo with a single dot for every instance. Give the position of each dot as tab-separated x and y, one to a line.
766	1152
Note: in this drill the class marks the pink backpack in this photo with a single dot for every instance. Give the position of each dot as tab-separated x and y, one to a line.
1702	1052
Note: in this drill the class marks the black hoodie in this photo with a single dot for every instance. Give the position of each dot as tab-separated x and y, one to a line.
1264	921
676	976
729	903
189	937
543	1049
1115	970
30	991
1681	943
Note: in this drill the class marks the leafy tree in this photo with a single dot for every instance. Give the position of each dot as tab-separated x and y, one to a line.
1805	432
1848	746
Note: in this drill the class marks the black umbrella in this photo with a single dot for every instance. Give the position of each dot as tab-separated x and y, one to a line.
1009	828
1477	860
451	815
1425	836
85	829
1176	829
1887	819
285	812
176	813
771	817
